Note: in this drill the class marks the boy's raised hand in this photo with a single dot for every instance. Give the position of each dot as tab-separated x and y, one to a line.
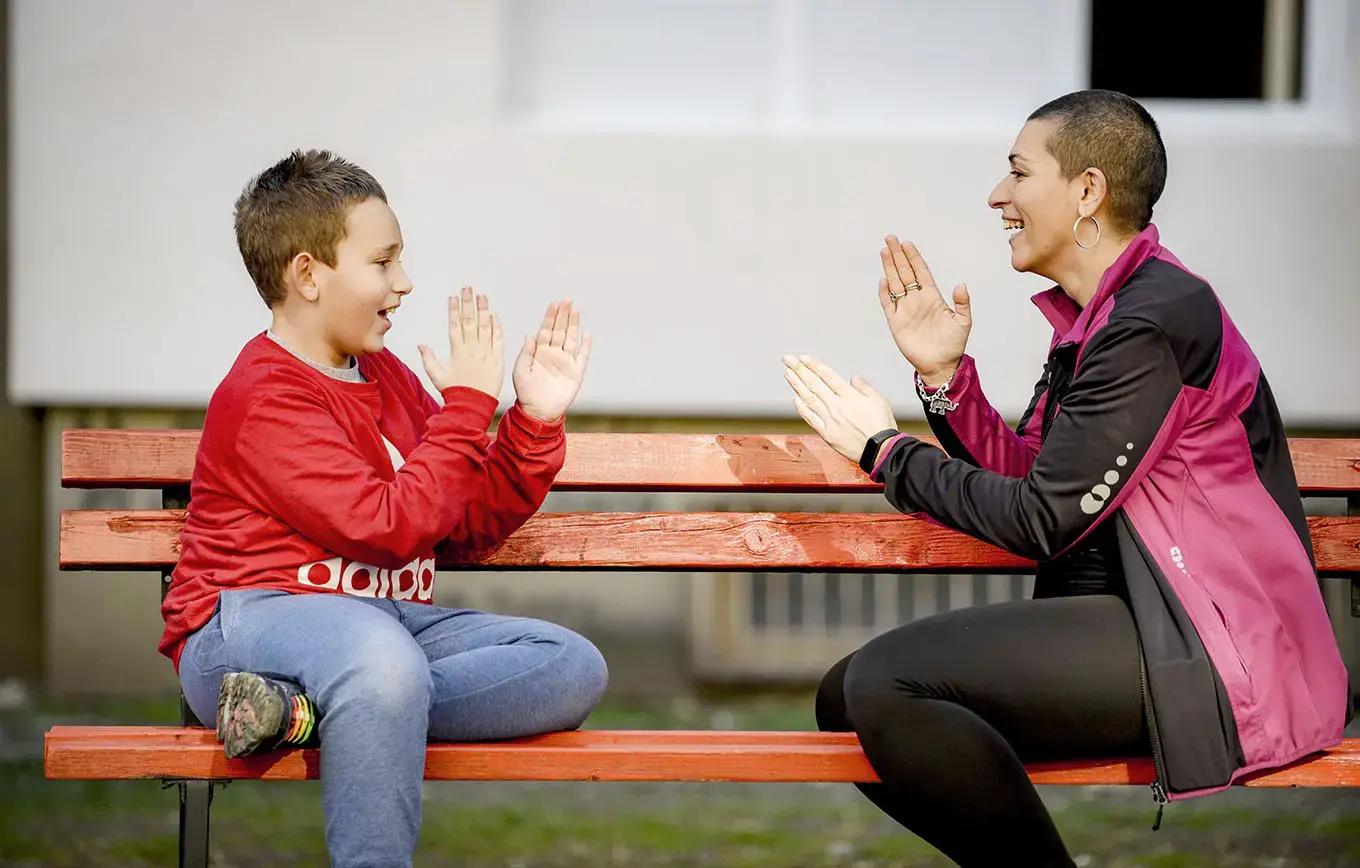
476	357
552	364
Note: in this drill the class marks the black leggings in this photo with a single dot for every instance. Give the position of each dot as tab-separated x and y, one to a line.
949	708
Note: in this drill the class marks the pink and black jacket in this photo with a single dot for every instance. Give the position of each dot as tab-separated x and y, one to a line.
1168	443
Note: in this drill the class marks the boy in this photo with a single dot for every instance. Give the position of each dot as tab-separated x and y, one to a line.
300	611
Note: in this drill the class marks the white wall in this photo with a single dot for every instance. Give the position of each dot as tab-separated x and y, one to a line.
711	182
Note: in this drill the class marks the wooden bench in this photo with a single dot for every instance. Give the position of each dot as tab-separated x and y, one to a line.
190	757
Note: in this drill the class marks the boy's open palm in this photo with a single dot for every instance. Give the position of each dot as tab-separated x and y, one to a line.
552	364
476	357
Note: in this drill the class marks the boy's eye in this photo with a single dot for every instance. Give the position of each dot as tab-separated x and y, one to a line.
384	262
1015	173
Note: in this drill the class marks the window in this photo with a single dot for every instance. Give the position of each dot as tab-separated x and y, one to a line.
920	68
1165	49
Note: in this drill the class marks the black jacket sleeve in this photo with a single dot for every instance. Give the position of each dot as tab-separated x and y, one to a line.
1120	413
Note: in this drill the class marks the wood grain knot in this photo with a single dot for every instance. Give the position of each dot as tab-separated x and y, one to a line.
756	537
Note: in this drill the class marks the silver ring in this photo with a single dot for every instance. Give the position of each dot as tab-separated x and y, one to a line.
895	296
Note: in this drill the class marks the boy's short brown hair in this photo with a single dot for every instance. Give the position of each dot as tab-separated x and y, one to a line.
298	204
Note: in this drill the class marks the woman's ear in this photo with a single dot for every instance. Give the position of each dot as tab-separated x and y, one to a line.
1094	189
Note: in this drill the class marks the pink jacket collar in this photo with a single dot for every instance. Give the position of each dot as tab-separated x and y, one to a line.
1070	321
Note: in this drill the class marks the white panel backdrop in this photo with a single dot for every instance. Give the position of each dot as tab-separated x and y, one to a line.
710	181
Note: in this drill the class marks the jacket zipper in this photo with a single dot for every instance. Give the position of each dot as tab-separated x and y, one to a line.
1059	379
1159	782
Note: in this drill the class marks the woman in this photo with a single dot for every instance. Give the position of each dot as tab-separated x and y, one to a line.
1176	607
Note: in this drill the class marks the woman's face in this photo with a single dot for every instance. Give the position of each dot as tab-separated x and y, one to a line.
1038	206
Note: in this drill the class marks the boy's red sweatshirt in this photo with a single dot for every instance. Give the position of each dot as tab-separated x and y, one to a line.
294	486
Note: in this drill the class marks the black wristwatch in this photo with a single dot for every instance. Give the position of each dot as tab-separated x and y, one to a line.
875	443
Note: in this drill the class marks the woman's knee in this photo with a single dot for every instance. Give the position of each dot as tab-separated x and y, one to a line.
867	685
889	670
829	705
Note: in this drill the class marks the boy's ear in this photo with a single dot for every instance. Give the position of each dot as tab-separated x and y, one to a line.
300	275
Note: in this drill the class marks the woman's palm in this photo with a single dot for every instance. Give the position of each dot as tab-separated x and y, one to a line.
929	333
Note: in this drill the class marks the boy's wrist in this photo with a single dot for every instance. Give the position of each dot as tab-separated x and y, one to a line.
461	394
538	418
471	407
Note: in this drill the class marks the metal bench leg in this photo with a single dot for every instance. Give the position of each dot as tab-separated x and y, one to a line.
195	797
195	801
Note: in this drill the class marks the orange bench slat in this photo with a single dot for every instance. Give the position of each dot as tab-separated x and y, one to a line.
617	461
595	540
874	542
117	753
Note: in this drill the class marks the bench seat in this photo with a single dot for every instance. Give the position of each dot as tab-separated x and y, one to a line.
192	753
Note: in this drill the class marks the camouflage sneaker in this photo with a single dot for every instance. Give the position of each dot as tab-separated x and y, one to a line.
257	714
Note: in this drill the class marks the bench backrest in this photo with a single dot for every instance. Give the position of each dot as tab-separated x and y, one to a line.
620	462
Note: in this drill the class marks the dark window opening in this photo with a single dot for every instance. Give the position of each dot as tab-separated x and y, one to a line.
1161	49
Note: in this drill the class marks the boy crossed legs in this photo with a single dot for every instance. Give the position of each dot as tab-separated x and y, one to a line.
389	675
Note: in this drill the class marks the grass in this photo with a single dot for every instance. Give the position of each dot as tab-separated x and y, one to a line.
535	825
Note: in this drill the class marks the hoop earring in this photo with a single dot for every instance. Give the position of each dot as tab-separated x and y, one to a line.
1078	240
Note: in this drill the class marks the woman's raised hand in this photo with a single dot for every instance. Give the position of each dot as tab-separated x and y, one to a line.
930	334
